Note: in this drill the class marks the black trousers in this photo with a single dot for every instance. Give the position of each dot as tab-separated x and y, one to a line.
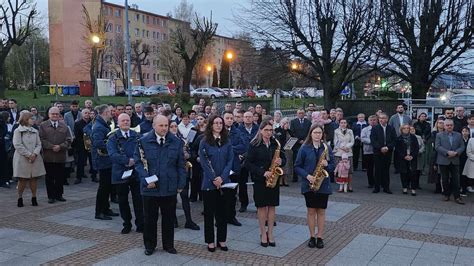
243	194
295	154
231	199
81	163
369	164
382	170
102	203
214	208
408	179
196	181
167	206
185	203
55	174
92	171
356	154
396	161
450	180
133	186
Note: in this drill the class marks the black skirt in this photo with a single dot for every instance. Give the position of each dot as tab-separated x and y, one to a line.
264	196
316	200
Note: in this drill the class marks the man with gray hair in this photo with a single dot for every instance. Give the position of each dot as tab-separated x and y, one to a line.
78	144
459	119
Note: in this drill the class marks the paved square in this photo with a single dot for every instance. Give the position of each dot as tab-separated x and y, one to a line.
427	223
19	247
296	207
380	250
84	217
246	237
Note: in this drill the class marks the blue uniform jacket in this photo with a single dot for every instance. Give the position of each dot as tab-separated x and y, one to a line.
245	134
166	162
121	150
145	127
221	160
305	164
238	146
100	129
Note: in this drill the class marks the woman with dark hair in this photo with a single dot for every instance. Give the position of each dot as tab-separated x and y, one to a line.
308	159
407	148
216	158
423	129
260	157
177	115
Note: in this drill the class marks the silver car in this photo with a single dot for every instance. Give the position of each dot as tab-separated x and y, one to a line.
207	92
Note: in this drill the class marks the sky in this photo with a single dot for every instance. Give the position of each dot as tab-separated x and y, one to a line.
222	10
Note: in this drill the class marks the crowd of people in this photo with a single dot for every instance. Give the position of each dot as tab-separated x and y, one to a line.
156	152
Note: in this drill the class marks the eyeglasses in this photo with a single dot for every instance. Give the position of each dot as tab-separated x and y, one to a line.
317	132
217	123
268	130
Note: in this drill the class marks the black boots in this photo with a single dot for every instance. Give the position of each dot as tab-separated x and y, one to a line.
20	202
34	202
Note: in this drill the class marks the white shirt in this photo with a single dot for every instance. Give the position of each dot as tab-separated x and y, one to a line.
125	132
54	124
184	130
384	134
158	137
400	117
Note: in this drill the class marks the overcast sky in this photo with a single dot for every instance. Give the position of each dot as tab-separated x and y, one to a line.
221	10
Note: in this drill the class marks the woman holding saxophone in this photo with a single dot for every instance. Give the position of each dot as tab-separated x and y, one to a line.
313	163
216	158
263	162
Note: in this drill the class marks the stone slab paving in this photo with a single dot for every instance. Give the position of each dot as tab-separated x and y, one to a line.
296	207
427	223
20	247
368	249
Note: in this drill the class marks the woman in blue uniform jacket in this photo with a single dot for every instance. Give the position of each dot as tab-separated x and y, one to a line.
316	201
216	158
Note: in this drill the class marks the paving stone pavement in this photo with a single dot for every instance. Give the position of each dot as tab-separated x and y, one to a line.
362	228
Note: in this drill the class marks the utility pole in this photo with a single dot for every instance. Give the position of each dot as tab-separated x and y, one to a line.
128	51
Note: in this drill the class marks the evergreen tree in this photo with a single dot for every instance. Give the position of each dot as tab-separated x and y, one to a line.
224	73
215	78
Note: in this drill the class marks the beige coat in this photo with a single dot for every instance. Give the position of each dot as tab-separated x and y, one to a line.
27	142
343	141
469	166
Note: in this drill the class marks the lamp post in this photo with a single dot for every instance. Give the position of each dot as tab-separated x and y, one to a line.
294	68
229	56
209	69
128	52
95	47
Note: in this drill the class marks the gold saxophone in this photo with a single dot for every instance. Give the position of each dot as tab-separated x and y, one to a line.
319	173
188	165
274	168
142	156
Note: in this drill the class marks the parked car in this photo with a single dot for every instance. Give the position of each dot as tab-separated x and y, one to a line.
285	94
157	89
207	92
250	93
138	90
263	94
233	93
462	99
224	91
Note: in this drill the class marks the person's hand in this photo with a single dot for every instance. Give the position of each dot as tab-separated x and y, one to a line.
180	190
384	149
408	158
278	161
198	160
435	167
452	154
311	178
32	158
267	174
324	162
217	181
56	148
131	162
151	185
301	141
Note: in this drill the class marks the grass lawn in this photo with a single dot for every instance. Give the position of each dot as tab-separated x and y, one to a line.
26	99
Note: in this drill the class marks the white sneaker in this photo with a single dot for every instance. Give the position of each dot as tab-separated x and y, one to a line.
470	189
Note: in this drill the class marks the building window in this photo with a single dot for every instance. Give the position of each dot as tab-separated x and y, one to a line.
154	21
118	28
154	76
157	76
147	75
137	32
137	17
137	76
158	36
164	37
109	27
147	20
118	13
143	33
143	19
148	34
154	35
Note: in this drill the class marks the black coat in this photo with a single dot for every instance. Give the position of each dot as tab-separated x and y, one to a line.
401	150
423	129
78	143
377	138
299	130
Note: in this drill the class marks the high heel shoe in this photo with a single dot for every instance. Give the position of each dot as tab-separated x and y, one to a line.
223	248
20	202
34	202
271	244
263	244
211	249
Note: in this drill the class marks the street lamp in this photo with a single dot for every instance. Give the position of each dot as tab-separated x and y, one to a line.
95	39
294	66
209	69
229	56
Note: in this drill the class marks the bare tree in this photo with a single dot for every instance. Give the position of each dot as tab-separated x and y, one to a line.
171	61
119	60
140	52
184	11
190	44
423	39
13	30
332	38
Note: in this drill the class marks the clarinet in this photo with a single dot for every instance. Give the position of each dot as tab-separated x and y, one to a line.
212	168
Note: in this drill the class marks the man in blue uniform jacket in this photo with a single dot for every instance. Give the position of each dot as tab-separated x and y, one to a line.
121	146
163	155
147	124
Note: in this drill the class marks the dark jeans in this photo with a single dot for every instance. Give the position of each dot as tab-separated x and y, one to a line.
243	194
214	208
132	186
167	207
196	181
396	161
450	180
81	163
382	170
356	154
185	203
408	180
102	204
369	164
55	174
231	199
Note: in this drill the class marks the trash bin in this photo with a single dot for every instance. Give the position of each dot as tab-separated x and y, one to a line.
74	90
85	89
66	90
52	89
44	89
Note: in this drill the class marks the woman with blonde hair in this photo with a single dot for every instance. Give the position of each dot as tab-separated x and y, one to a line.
27	161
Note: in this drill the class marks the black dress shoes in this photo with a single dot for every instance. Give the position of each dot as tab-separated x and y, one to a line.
149	251
234	222
243	209
211	249
312	242
126	230
139	230
102	217
223	248
387	191
319	243
376	190
171	250
176	225
192	226
111	213
61	199
51	201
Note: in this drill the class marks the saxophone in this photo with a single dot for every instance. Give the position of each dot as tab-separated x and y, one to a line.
142	156
274	168
319	173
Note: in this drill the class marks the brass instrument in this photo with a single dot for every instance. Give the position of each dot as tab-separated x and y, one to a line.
274	168
142	156
87	142
320	173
